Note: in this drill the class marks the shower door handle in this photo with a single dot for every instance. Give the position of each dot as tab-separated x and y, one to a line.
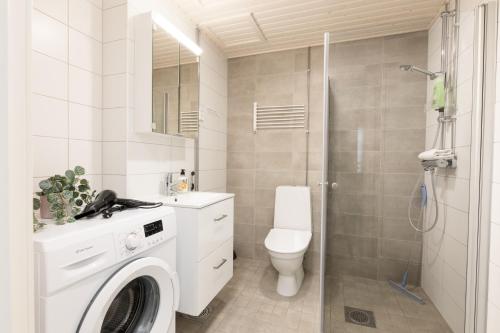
334	185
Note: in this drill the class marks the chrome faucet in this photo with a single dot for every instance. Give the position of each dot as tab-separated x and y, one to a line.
170	186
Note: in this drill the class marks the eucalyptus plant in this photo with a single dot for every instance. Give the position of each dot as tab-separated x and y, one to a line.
66	195
37	225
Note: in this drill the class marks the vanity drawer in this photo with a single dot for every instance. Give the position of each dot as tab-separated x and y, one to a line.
214	272
215	227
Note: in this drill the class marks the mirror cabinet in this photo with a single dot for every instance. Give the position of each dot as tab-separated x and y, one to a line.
167	80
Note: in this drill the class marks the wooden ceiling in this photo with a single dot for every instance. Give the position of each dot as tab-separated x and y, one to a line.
244	27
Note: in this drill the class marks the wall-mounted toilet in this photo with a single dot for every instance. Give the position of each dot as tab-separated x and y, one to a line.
288	240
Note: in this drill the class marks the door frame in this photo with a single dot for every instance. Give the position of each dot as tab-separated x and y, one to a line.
324	176
16	245
482	134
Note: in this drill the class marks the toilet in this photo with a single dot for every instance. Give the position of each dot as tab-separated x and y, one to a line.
289	239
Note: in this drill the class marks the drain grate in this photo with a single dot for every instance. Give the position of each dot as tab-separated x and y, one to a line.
204	315
359	317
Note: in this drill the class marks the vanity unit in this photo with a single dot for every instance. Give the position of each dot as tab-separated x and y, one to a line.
205	224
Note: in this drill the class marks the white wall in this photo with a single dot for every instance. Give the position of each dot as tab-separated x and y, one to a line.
67	87
4	176
135	164
83	88
493	325
213	124
445	248
16	261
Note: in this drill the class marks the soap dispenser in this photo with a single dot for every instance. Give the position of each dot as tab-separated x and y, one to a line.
183	182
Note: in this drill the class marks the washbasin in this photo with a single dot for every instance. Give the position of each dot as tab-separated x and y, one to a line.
194	199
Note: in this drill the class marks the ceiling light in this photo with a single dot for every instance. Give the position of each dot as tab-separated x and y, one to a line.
182	38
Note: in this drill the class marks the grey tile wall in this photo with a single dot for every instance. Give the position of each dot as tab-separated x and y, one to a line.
259	162
377	129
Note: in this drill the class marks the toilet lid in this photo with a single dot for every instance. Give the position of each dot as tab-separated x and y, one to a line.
287	240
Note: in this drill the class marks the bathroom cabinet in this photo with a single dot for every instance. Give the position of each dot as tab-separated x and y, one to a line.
205	230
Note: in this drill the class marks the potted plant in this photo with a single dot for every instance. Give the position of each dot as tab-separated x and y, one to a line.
63	196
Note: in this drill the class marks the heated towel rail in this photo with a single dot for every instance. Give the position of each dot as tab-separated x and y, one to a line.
278	117
189	121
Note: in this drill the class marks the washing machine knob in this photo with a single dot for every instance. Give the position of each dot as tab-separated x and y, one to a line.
132	242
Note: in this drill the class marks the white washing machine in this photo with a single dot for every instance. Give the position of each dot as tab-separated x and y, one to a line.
108	275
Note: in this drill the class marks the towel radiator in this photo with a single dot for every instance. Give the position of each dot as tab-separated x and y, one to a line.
278	117
189	121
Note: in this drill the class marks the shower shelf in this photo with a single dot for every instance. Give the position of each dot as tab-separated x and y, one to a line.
278	117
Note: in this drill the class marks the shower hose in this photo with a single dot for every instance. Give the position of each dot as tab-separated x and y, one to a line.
422	207
434	197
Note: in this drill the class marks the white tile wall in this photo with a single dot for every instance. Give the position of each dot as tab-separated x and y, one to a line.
67	87
114	158
85	52
86	17
84	87
213	125
50	36
115	91
87	154
85	122
114	117
82	84
45	110
445	248
114	57
49	77
133	163
57	9
50	156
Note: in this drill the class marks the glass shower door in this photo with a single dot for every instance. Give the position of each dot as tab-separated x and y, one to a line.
325	307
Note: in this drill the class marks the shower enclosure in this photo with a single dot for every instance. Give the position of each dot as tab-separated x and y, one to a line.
376	130
378	118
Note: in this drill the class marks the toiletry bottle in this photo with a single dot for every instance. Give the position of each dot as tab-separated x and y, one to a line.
183	182
192	185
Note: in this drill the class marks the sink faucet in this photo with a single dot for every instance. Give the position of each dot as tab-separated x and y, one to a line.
170	186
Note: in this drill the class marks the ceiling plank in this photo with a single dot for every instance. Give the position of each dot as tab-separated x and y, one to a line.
290	24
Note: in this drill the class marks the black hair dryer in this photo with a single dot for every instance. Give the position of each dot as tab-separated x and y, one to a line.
107	202
104	200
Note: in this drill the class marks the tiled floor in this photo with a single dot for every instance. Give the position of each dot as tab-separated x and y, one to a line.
394	313
249	303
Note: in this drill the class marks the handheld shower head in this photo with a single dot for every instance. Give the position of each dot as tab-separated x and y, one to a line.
405	68
411	68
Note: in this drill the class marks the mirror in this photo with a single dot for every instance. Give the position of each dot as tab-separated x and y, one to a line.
189	93
175	90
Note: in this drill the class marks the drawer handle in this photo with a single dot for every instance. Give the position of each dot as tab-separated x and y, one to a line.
224	260
222	217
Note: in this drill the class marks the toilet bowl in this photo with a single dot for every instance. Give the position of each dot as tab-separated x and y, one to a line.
289	239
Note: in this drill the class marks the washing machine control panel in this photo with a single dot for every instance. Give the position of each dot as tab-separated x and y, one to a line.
140	238
153	228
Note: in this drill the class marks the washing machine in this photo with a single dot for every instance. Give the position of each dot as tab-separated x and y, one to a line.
108	275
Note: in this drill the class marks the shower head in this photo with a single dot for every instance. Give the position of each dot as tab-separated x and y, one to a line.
411	68
405	67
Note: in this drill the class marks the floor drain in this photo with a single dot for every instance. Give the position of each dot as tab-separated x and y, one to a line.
204	315
359	317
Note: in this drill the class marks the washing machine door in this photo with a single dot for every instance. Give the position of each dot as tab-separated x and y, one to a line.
141	297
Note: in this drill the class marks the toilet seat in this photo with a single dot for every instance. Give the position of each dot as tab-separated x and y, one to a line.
287	240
